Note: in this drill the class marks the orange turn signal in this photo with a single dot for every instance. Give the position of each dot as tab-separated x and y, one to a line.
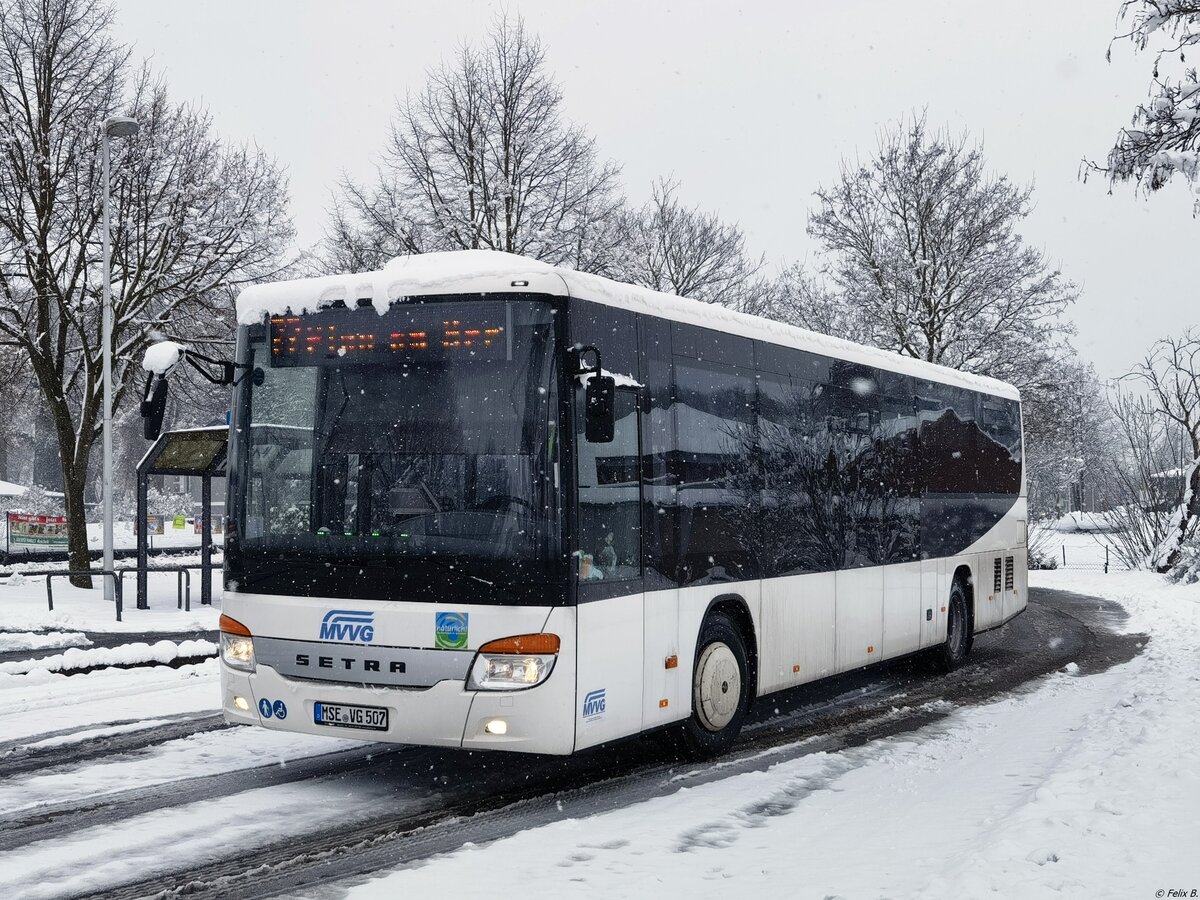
523	643
233	626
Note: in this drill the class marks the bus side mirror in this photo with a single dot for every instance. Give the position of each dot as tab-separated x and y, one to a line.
161	357
154	404
600	406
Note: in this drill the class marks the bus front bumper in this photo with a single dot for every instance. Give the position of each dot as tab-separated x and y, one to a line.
536	720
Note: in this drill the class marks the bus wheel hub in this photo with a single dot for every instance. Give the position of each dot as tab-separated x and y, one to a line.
717	686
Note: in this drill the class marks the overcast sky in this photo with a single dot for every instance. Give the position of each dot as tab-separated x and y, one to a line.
750	109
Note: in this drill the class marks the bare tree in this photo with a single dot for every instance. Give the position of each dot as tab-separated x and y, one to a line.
193	219
1170	376
1068	439
1144	479
923	250
803	298
1164	136
693	253
482	158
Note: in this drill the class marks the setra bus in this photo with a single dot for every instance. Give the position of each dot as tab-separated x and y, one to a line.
479	501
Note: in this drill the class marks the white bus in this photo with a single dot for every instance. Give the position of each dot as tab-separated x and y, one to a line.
479	501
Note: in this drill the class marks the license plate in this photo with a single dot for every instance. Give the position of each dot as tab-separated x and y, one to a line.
372	718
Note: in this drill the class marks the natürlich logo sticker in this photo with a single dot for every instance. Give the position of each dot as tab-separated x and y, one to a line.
450	631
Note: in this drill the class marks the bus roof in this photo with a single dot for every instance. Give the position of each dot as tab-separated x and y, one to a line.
489	271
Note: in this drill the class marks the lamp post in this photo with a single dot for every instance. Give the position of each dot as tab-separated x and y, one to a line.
114	126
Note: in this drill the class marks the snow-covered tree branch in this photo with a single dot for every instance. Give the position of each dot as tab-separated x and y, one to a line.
693	253
482	158
924	257
1163	138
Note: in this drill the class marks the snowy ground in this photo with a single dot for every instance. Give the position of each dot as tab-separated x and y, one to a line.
24	616
1084	787
1079	549
1075	785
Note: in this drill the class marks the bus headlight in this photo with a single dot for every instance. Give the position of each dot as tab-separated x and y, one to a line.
237	651
510	664
237	645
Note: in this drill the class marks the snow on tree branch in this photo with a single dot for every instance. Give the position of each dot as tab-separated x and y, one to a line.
922	255
482	158
1163	138
693	253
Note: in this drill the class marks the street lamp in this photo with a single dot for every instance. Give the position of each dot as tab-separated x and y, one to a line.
114	126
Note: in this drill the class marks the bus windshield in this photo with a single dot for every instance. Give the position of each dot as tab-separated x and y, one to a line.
383	455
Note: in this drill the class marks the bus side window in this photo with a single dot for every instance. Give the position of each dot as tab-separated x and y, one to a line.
609	484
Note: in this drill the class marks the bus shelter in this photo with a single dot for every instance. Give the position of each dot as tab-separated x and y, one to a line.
189	451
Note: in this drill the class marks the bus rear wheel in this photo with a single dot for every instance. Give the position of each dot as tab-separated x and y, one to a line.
720	690
954	651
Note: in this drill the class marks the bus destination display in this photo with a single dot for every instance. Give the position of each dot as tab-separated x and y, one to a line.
338	335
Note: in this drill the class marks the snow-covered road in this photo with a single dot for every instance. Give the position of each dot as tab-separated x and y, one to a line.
124	783
1085	783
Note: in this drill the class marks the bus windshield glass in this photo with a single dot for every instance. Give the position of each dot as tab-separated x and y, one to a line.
381	455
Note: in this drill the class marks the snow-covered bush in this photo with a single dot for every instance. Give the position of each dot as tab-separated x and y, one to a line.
1187	570
160	500
37	501
1040	546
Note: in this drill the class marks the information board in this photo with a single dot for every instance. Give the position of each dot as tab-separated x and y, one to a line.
217	525
36	534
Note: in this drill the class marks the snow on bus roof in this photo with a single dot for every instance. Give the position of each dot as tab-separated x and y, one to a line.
457	272
490	271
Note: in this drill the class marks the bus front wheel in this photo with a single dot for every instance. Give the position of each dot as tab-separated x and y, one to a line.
720	689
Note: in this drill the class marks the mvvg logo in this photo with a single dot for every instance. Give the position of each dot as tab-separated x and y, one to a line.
593	704
348	625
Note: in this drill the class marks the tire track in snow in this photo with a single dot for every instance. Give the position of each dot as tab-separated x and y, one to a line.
47	821
25	756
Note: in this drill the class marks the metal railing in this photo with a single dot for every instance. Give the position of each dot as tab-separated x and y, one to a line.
1094	565
71	573
183	582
